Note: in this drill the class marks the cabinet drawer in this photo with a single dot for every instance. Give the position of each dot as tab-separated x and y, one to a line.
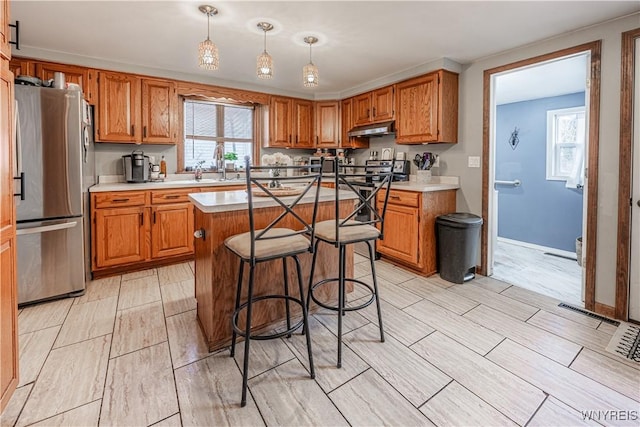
119	199
159	197
405	198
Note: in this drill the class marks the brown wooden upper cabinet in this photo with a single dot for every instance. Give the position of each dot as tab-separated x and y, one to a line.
373	107
290	123
347	123
118	108
72	74
21	67
5	30
131	109
159	111
328	124
427	109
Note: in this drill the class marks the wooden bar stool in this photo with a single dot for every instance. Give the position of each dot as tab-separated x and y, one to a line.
272	243
341	232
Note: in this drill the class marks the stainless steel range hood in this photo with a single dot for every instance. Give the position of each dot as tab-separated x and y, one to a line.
377	129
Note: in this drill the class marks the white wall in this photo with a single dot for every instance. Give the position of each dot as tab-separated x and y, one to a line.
470	135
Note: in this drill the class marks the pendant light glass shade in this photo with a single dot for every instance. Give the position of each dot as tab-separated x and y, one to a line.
310	75
208	57
264	64
208	54
310	71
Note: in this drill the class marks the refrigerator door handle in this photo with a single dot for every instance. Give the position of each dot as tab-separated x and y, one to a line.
45	228
18	173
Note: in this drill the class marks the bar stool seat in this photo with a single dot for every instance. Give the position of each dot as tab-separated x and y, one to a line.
281	241
351	232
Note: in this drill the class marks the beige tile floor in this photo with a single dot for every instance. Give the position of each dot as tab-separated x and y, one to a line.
530	268
130	353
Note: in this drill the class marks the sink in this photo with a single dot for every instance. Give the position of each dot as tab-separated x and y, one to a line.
203	181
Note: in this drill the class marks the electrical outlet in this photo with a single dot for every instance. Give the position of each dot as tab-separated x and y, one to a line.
474	161
436	164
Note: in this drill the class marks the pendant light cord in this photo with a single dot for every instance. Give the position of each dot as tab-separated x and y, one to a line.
208	24
265	40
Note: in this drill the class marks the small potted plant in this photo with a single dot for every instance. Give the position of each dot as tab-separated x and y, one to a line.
230	159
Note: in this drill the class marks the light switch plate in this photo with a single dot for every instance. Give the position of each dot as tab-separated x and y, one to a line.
474	161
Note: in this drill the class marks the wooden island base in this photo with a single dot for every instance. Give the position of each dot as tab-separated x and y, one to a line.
217	270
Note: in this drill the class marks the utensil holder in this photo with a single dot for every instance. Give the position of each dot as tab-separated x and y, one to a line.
423	176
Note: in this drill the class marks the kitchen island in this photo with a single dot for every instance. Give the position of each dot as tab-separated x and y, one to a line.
219	215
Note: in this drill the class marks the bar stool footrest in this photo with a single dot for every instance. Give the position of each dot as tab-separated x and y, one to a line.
242	332
345	308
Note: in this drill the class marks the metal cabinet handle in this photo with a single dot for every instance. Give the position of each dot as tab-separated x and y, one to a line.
374	111
120	200
154	217
22	186
144	131
133	130
141	218
172	196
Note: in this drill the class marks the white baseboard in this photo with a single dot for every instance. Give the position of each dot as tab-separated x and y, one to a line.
538	247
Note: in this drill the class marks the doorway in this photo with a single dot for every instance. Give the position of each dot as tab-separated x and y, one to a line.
538	148
590	162
628	273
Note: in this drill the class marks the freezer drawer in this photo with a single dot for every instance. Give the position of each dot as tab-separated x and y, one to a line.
50	259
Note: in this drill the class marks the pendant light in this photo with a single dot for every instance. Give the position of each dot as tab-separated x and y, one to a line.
264	66
310	71
207	50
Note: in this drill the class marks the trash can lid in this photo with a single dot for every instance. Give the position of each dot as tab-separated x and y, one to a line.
460	220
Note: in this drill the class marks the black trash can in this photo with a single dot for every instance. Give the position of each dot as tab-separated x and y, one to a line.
458	237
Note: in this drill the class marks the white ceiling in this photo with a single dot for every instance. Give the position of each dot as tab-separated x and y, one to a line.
554	78
361	42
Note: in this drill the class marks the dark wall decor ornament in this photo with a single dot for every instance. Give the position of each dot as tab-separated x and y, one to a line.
513	139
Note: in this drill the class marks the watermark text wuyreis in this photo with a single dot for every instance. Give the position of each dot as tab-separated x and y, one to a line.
611	415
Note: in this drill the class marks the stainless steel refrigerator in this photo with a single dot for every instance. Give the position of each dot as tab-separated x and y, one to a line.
56	166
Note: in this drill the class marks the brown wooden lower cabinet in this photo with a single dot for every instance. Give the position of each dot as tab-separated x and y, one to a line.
409	227
134	230
120	236
172	230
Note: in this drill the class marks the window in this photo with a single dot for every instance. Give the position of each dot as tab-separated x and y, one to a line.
207	123
565	142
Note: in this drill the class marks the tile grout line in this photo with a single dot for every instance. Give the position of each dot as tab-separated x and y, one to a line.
546	396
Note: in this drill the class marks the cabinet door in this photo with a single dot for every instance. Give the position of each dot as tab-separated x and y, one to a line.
8	287
327	121
346	124
21	67
159	108
417	118
401	234
5	30
279	122
172	230
361	109
302	124
382	104
120	236
118	108
72	74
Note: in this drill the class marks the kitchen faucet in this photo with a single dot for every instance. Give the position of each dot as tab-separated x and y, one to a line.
218	155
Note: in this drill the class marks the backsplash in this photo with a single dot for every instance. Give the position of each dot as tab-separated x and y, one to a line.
109	156
389	141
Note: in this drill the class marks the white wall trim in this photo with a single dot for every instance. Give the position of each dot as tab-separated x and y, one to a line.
538	247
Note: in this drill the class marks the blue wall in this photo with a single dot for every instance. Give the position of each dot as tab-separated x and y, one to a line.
539	211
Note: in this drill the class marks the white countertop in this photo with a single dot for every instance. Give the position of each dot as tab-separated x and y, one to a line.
114	183
225	201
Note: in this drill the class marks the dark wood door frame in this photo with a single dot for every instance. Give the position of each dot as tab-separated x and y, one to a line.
594	49
623	262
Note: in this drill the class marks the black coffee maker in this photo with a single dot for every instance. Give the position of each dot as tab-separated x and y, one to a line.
136	166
